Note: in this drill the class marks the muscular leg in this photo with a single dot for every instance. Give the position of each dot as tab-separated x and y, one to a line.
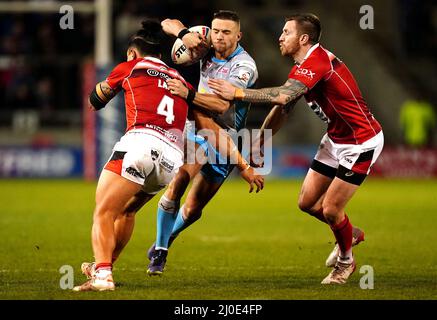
125	222
168	205
179	184
112	195
337	196
314	199
200	194
167	217
312	194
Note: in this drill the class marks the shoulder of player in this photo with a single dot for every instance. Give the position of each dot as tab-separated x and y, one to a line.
157	65
243	59
126	67
321	54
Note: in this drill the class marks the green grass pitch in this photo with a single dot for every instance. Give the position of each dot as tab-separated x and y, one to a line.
246	246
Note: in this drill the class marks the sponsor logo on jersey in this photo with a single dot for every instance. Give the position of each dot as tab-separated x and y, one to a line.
224	70
244	75
134	172
169	135
154	154
156	73
305	72
180	51
166	164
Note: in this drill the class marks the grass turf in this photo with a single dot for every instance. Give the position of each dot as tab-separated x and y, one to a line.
246	246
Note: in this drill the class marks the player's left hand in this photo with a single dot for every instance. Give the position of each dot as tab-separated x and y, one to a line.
222	88
177	88
253	179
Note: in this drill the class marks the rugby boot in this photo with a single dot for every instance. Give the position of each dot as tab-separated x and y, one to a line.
340	273
97	283
157	263
88	269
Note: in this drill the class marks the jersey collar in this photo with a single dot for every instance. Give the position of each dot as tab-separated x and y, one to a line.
156	60
237	50
314	47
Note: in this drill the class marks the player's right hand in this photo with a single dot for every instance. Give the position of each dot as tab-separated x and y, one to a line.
194	41
253	179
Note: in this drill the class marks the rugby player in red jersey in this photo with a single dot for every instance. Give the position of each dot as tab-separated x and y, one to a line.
353	141
145	159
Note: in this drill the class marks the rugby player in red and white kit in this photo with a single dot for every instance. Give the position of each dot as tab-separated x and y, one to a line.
353	141
145	159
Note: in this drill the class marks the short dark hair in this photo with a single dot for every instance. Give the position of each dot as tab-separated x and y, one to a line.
308	24
149	39
226	15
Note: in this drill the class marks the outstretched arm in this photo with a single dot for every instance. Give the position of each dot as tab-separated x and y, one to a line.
101	95
290	91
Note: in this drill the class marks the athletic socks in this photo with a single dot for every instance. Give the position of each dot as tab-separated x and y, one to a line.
166	217
103	270
180	223
343	235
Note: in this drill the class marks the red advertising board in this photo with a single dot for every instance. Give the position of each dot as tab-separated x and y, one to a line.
403	162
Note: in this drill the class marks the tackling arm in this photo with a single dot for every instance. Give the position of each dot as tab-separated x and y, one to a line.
291	90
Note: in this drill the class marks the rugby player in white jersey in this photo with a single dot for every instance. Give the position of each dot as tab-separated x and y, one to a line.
226	60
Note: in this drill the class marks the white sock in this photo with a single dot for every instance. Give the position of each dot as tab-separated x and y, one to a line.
103	273
346	257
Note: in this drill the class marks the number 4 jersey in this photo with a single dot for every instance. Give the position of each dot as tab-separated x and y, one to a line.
149	103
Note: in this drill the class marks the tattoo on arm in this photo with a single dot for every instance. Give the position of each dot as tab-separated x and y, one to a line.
290	91
107	92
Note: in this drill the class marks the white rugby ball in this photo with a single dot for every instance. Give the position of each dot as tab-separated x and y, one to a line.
181	55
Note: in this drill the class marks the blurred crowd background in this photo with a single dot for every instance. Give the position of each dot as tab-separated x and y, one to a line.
41	65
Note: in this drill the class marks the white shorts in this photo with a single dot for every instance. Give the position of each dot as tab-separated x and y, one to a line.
145	157
347	160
